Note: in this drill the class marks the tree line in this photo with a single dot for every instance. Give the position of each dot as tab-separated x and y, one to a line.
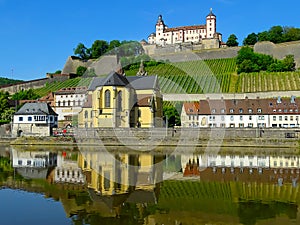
276	34
114	47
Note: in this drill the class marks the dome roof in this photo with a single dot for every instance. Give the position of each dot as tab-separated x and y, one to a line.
211	13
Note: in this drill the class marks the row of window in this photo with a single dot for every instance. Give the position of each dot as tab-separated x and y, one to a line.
38	118
241	118
240	125
71	96
250	111
69	103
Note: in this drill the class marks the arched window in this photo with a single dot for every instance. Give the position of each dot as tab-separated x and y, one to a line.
107	99
64	103
69	103
86	114
119	108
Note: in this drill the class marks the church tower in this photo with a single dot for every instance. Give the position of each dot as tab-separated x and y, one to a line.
160	28
211	22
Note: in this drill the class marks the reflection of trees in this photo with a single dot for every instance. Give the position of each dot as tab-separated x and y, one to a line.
250	212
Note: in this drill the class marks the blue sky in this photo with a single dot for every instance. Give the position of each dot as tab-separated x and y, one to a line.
38	36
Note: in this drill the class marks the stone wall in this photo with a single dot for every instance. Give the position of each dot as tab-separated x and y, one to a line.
33	84
279	51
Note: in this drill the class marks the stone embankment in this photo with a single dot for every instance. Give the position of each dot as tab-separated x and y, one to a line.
174	139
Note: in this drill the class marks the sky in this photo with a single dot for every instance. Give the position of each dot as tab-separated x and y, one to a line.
37	36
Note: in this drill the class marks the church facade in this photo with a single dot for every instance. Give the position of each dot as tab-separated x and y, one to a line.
197	34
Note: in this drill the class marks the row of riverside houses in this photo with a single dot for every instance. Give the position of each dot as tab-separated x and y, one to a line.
112	101
264	113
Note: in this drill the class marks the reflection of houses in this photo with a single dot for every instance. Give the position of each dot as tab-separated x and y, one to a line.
243	113
33	164
68	102
243	168
119	101
34	119
67	170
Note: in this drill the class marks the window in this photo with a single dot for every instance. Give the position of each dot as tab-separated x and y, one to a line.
29	118
250	125
21	118
222	110
86	114
58	103
250	110
107	99
213	111
222	118
69	103
250	117
64	103
231	118
241	118
285	118
274	118
231	110
241	110
291	118
259	110
280	118
241	125
119	108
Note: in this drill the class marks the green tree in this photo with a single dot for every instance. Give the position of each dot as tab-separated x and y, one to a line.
276	34
171	113
232	41
80	70
251	39
114	47
82	52
4	101
289	63
98	48
263	36
25	95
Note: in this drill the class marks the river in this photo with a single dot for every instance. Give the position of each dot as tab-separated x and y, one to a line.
91	185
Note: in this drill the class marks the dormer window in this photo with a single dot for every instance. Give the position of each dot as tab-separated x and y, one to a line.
213	111
222	110
259	110
241	110
250	111
279	110
291	110
190	110
231	110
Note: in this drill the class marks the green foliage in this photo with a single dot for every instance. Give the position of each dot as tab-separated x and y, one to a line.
98	48
171	113
25	95
115	47
4	98
232	41
82	52
80	70
276	34
251	39
5	81
248	61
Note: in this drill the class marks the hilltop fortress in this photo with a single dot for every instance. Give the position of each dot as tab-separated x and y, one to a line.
201	36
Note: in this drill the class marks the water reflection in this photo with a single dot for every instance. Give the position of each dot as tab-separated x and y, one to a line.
128	188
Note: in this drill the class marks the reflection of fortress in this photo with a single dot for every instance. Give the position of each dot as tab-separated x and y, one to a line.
274	169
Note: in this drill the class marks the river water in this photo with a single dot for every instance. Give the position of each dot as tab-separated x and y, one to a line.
65	185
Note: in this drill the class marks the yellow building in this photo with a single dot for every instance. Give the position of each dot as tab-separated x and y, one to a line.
120	101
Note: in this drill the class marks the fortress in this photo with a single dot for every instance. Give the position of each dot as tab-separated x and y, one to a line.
205	35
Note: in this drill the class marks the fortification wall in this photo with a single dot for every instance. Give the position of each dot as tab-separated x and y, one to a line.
279	51
32	84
